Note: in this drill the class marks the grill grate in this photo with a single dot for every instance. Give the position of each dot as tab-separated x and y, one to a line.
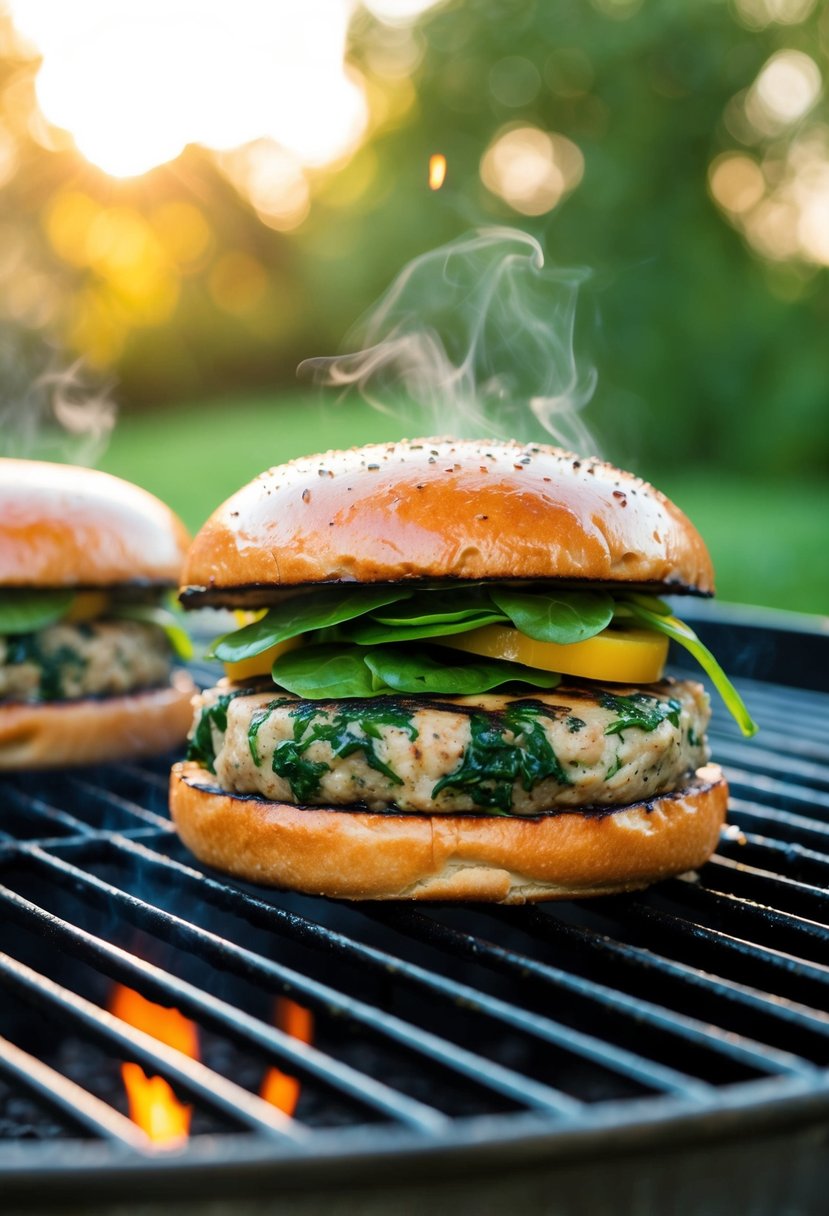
433	1023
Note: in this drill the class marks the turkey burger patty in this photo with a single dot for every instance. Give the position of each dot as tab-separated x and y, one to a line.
84	659
520	755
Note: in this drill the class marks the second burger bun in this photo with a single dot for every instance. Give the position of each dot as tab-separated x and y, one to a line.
503	859
92	730
443	509
67	526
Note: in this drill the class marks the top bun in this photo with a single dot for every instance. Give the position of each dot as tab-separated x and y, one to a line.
443	509
65	526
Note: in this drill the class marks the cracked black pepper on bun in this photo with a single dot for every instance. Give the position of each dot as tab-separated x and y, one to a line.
86	648
448	680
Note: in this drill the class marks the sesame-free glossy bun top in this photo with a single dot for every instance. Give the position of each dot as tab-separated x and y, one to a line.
65	526
443	509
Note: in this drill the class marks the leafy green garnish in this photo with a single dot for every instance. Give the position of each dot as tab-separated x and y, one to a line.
655	615
301	614
369	632
356	637
339	670
28	611
426	615
326	671
164	618
555	616
424	672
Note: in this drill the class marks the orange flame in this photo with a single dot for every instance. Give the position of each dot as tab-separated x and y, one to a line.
278	1088
152	1103
437	171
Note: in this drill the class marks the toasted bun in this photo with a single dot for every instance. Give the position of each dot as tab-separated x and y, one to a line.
92	730
64	526
439	509
360	855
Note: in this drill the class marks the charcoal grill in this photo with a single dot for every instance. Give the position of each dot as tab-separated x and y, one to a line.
658	1052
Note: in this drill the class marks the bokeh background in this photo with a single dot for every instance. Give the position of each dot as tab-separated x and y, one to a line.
196	196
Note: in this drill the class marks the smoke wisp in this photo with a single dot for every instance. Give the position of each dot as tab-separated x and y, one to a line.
473	339
48	412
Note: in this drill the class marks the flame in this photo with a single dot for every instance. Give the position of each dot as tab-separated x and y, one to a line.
278	1088
437	171
152	1103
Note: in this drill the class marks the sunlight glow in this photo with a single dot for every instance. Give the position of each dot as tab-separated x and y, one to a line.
437	170
785	90
531	169
137	81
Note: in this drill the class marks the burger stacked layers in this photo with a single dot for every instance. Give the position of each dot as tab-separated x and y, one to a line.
449	683
86	649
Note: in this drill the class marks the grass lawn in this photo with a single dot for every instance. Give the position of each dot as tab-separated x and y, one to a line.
768	537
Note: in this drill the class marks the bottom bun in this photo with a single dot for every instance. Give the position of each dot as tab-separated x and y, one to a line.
509	860
91	730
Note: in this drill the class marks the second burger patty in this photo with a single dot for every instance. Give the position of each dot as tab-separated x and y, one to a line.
83	659
578	746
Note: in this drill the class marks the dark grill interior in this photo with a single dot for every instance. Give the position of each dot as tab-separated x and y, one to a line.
431	1023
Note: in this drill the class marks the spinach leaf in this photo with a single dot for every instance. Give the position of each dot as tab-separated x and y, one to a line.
504	748
655	615
555	616
438	607
639	710
339	670
201	746
28	611
340	732
369	631
301	614
319	672
418	670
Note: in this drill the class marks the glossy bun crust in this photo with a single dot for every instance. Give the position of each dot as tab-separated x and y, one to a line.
92	730
65	526
436	509
360	855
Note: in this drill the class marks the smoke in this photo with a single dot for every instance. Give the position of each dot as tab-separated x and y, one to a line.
473	339
49	412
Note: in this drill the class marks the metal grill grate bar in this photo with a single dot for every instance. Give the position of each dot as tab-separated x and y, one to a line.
200	1083
776	793
615	1058
782	826
241	961
160	985
786	860
67	1099
760	966
789	896
645	1014
776	1020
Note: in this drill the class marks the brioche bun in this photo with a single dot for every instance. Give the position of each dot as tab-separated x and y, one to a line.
91	730
509	860
66	526
442	509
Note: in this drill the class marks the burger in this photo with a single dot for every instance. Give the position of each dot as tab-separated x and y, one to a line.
87	647
447	682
